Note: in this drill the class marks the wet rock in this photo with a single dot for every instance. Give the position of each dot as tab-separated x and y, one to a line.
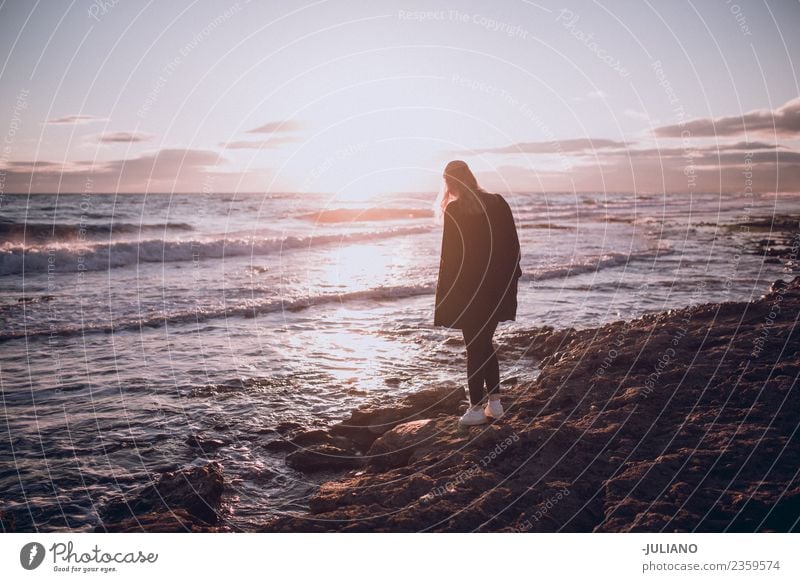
279	445
366	424
310	437
175	521
323	458
205	443
197	491
395	447
285	427
304	438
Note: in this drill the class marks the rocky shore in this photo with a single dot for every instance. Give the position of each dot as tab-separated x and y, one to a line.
679	421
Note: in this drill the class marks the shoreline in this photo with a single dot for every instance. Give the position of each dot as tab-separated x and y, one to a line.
683	420
678	421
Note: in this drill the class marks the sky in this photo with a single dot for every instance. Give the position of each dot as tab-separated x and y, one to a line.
359	98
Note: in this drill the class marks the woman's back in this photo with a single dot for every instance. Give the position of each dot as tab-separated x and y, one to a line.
480	263
477	285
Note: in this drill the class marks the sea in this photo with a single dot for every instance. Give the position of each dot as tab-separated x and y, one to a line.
134	325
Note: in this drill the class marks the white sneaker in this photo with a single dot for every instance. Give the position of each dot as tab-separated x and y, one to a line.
494	409
473	416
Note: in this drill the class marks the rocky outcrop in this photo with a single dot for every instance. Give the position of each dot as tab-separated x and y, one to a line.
366	424
678	421
178	501
344	445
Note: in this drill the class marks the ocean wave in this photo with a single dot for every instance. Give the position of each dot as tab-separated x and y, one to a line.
247	309
595	263
71	257
366	214
68	231
255	308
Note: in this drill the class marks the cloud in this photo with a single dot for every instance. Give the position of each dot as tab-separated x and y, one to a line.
270	143
706	152
555	147
166	170
784	121
607	148
277	127
727	168
124	137
635	114
75	120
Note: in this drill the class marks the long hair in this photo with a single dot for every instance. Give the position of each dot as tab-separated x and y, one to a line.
459	183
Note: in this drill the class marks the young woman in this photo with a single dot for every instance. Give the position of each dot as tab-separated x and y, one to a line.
478	274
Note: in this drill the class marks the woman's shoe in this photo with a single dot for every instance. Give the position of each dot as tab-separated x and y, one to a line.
494	409
473	416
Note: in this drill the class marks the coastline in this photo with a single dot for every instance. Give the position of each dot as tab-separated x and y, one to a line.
684	420
679	421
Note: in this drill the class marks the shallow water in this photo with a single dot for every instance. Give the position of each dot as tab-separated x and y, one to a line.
166	317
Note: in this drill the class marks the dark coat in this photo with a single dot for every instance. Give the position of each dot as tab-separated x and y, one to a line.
479	267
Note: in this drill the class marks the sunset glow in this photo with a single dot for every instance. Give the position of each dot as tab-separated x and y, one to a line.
356	101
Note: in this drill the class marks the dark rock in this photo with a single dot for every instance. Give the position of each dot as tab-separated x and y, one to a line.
303	438
310	437
197	491
286	427
368	423
778	285
395	447
174	521
323	458
204	443
279	445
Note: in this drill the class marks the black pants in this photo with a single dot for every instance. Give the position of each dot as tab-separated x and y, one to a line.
482	365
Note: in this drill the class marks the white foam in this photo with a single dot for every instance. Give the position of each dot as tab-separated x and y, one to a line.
96	256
